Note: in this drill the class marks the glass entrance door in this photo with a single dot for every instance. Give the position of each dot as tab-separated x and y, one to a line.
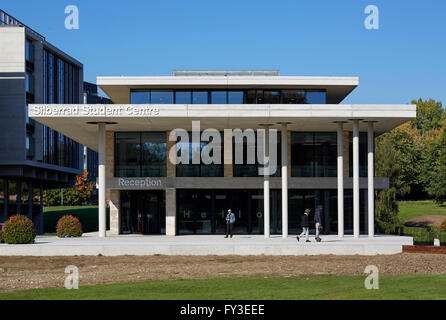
143	212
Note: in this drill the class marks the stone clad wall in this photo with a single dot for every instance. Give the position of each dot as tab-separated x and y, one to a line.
112	195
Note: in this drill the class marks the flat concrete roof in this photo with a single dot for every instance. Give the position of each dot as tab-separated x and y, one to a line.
118	88
75	121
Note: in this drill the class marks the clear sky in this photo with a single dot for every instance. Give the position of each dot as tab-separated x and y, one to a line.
405	59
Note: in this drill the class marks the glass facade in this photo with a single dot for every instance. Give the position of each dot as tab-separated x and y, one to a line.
60	85
249	153
143	212
140	154
201	169
209	216
227	97
362	154
313	154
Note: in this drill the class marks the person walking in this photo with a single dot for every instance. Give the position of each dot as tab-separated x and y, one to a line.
305	226
318	222
230	220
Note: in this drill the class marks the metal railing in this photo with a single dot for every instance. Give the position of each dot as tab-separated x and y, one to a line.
7	19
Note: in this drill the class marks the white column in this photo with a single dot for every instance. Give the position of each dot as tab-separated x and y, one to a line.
284	143
340	180
266	215
101	179
371	179
356	178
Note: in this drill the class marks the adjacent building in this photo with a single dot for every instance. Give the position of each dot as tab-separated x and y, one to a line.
34	157
325	151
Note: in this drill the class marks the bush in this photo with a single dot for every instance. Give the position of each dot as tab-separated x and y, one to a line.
68	226
1	236
442	238
442	227
18	229
423	237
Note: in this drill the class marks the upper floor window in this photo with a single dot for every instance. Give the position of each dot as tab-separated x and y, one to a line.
252	96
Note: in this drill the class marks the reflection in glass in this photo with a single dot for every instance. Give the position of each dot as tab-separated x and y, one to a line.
200	97
183	97
128	148
140	154
12	198
235	97
153	154
313	154
272	97
140	97
218	97
161	97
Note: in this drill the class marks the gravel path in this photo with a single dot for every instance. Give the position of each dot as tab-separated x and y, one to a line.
48	272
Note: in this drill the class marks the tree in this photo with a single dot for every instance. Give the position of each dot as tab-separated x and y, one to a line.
80	194
386	211
430	114
437	179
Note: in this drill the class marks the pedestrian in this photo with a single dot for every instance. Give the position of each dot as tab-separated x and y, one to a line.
230	220
318	221
305	226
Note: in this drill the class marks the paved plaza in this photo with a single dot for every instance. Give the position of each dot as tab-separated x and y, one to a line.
91	244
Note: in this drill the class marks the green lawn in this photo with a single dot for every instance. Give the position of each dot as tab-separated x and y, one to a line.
88	216
413	209
306	288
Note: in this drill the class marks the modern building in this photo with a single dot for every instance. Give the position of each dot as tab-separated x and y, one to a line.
325	151
34	157
91	96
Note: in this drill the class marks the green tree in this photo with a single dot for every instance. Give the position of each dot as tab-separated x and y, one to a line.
430	114
386	210
436	187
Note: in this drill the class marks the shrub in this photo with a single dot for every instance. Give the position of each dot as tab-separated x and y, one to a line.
68	226
18	229
423	237
442	227
1	236
442	238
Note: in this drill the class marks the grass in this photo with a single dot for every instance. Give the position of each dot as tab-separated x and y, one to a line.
88	216
326	287
413	209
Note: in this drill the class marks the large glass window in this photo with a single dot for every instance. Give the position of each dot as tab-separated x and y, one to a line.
140	154
2	197
161	97
363	160
140	97
24	194
248	169
313	154
218	97
127	158
228	97
293	97
200	97
194	218
201	169
235	97
272	97
12	198
29	51
183	97
153	154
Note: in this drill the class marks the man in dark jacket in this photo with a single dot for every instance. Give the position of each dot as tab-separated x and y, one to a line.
305	224
318	222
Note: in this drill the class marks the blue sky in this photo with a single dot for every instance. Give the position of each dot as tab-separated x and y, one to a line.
405	59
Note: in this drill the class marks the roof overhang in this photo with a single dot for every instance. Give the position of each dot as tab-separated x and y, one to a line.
118	88
79	121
